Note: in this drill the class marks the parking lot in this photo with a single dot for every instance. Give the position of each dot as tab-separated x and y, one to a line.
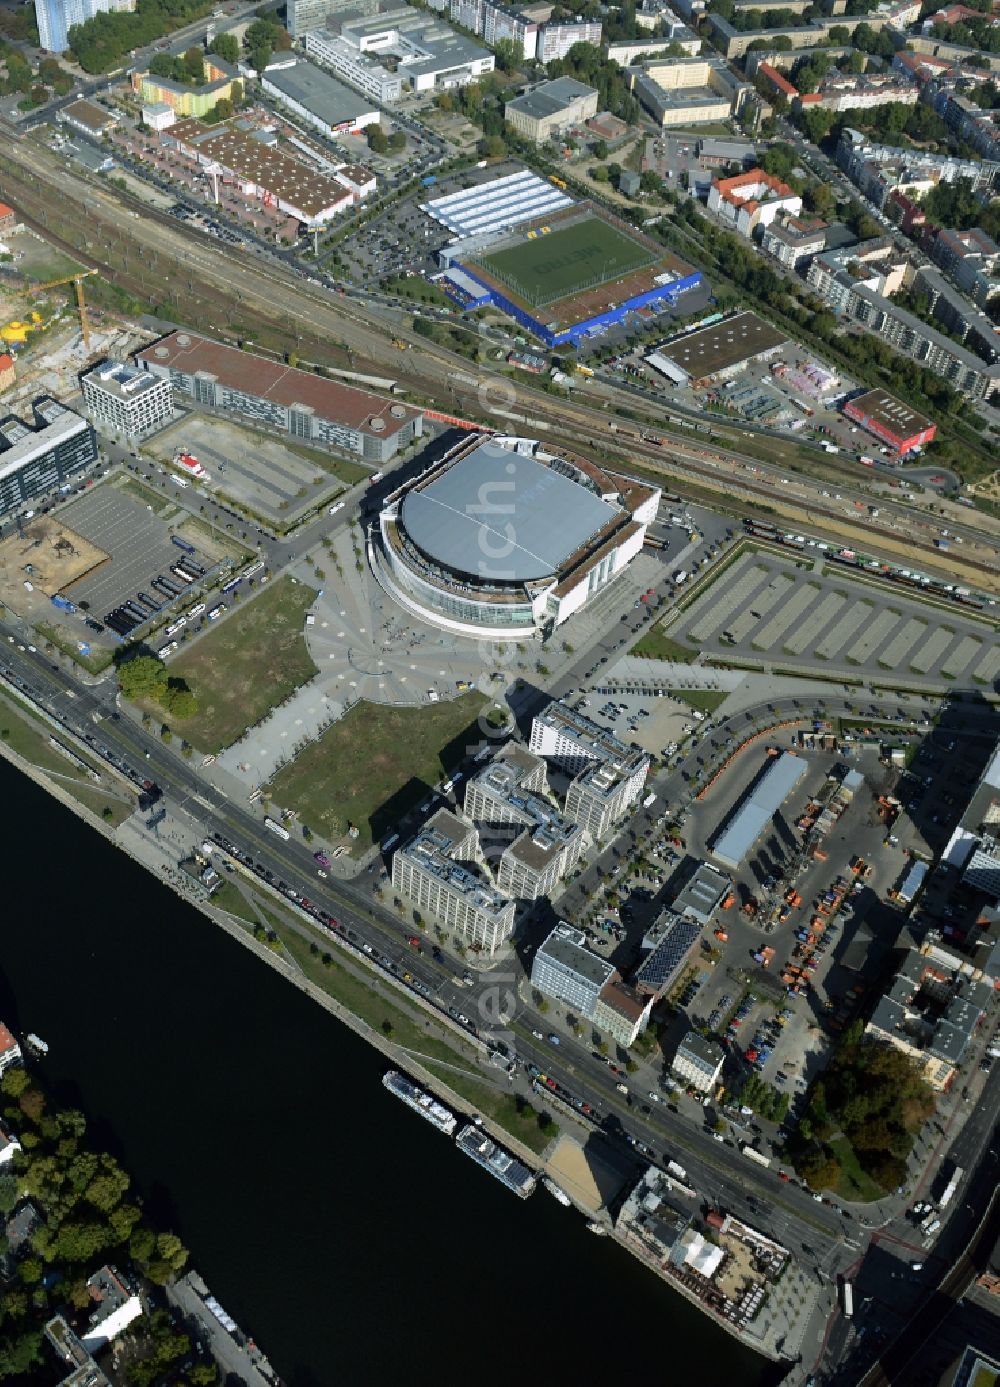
140	551
250	467
809	615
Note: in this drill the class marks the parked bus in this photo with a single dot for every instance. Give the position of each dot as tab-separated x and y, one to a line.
847	1298
275	827
754	1155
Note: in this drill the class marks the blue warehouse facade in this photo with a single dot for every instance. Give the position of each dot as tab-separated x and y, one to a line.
459	288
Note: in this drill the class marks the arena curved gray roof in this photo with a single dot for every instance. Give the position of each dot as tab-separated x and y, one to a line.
500	517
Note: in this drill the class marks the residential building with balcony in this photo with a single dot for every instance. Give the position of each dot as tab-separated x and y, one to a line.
440	872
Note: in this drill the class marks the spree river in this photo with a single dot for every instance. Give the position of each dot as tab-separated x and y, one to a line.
351	1239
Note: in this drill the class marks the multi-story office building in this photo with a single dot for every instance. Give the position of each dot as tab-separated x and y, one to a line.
507	798
126	400
304	15
566	970
698	1062
353	65
56	18
608	775
399	49
674	937
438	871
497	794
36	459
296	402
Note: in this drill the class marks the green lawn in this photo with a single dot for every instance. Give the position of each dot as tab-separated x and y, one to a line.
853	1184
376	763
145	495
654	645
418	288
705	700
95	662
248	663
409	1030
553	266
499	1107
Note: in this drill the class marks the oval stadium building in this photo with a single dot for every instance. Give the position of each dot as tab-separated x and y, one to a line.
503	539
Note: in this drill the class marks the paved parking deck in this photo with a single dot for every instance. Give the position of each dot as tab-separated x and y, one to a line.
773	610
137	540
249	466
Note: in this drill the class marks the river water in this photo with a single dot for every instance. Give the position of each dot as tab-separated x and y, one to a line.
348	1237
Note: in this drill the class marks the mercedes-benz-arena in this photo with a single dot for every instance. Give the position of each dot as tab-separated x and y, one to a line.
503	539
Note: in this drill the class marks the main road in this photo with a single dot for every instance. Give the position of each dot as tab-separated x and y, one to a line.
92	714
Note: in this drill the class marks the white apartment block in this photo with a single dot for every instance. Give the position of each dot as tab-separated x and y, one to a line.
609	776
436	871
123	399
698	1062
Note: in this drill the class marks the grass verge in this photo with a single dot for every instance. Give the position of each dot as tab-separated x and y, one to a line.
375	764
654	645
501	1108
706	700
252	661
359	997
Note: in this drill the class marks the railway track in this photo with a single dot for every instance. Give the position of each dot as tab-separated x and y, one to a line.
581	422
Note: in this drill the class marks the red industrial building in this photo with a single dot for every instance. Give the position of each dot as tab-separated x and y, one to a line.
889	419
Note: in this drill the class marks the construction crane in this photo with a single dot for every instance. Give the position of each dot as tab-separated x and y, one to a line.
77	282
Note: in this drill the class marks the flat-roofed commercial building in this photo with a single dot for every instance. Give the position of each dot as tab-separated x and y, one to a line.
126	399
608	775
889	419
698	1062
37	458
567	971
756	813
491	208
438	871
722	350
550	108
701	897
319	99
300	404
259	170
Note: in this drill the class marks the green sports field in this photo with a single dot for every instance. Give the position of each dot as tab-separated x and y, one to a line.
567	261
